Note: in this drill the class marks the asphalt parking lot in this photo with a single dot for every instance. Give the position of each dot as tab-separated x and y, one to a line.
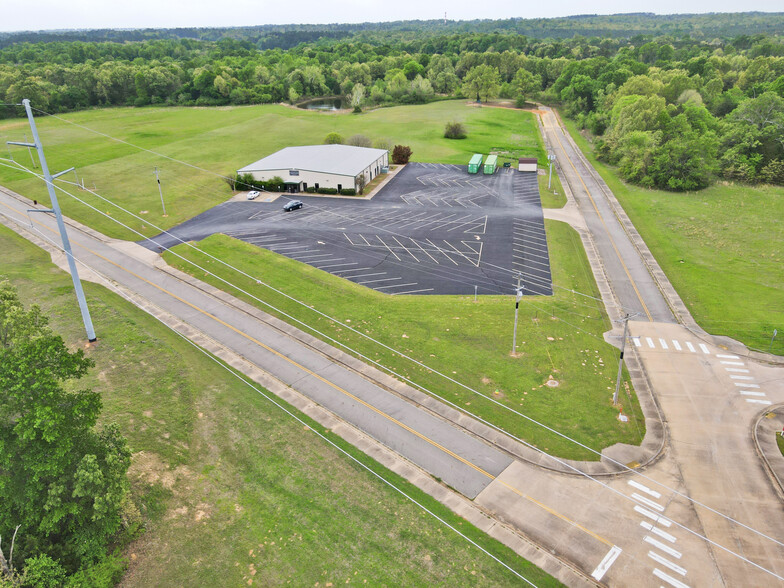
433	229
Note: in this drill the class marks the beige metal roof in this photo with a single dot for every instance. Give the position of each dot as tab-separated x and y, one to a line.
344	160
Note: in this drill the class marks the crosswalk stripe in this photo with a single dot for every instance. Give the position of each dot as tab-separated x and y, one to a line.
663	344
755	401
690	346
676	344
704	348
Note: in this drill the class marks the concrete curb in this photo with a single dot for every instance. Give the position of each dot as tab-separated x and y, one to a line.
763	433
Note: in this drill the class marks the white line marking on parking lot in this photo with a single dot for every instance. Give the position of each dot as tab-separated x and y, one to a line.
644	489
667	563
441	251
412	291
424	251
727	356
750	393
657	531
676	344
669	579
323	267
605	564
661	546
653	516
406	250
647	502
387	246
754	401
690	346
379	280
704	348
663	344
394	286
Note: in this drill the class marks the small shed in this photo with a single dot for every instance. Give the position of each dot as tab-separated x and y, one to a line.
527	164
475	164
491	163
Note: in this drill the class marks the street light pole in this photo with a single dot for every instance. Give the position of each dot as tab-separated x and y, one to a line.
625	320
518	297
551	158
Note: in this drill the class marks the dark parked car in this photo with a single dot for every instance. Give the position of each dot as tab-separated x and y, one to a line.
292	205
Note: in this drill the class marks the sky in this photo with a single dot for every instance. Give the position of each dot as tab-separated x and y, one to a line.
129	14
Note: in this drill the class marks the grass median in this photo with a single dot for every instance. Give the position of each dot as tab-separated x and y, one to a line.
563	376
234	491
720	247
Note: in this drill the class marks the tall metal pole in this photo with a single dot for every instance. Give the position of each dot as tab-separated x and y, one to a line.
620	361
518	296
88	323
160	191
32	159
551	158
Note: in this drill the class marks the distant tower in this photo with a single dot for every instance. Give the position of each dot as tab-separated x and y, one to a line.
445	17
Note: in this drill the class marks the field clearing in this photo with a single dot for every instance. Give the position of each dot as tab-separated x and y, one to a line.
722	248
233	491
220	141
559	340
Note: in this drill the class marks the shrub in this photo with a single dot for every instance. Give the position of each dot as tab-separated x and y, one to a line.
455	130
348	192
310	190
359	141
401	154
334	139
327	191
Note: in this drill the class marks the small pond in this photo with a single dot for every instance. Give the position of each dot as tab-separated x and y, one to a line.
325	104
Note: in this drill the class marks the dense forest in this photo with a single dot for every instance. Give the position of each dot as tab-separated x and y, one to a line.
673	111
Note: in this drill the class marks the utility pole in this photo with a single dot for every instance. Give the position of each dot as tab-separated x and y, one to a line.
625	320
160	191
772	339
49	178
32	159
518	297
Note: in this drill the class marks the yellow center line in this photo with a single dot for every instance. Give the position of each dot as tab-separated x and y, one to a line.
601	218
338	388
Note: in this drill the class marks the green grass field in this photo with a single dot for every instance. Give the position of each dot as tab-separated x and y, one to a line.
559	338
220	141
234	491
722	248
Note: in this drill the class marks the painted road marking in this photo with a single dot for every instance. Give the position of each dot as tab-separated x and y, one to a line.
636	341
731	362
742	377
743	385
412	291
657	531
644	489
704	348
662	547
753	401
646	502
649	341
676	344
667	563
750	393
663	344
690	346
727	356
737	370
608	560
669	579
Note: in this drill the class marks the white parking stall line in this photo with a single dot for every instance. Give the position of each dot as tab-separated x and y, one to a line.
645	489
691	347
647	502
663	343
657	531
649	341
704	348
662	547
677	345
323	267
653	516
750	393
281	248
414	241
311	257
746	385
387	246
405	249
355	269
441	251
394	286
669	579
742	377
667	563
605	564
379	280
636	341
754	401
412	291
727	356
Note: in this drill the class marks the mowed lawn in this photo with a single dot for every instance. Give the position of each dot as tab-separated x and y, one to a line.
234	491
209	141
563	377
722	248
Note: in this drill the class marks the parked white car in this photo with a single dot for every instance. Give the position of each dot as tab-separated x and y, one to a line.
253	194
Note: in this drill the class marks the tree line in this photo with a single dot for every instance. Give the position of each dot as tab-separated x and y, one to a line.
671	112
